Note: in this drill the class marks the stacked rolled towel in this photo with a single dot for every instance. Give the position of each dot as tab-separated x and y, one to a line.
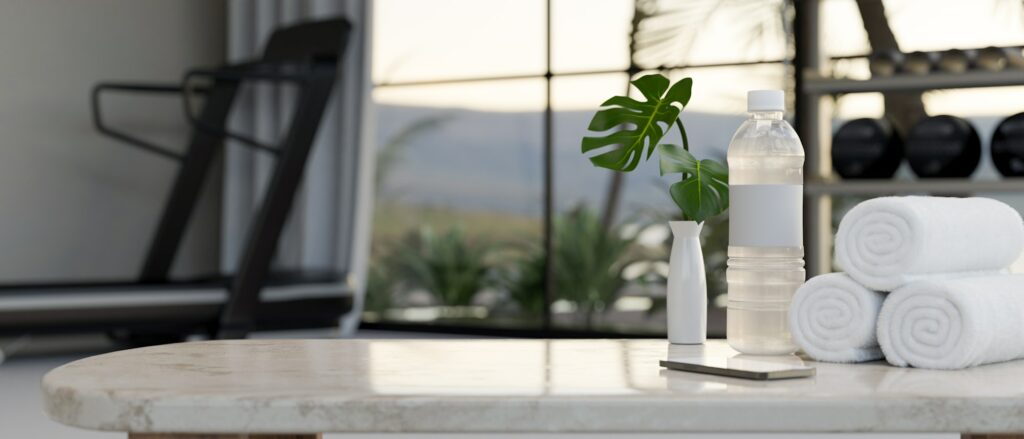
945	260
953	324
887	242
832	318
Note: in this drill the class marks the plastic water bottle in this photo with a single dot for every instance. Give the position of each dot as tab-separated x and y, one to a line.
766	253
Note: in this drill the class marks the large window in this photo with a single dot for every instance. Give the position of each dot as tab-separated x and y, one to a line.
487	215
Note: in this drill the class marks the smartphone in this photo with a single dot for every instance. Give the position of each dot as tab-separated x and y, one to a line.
748	368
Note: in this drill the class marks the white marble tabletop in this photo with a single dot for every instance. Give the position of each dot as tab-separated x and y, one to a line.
308	386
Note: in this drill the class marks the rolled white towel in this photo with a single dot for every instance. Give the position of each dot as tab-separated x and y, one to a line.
886	242
832	318
953	324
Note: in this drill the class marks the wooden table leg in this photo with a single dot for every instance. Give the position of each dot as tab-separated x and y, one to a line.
220	436
987	436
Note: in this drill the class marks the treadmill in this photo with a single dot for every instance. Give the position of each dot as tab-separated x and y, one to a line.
154	308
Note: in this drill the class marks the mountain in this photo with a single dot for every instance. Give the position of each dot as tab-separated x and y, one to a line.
493	161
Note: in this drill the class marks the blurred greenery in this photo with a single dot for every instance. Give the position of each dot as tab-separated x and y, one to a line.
448	265
380	288
588	261
523	279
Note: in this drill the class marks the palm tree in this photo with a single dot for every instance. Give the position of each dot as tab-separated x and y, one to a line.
663	32
390	154
902	109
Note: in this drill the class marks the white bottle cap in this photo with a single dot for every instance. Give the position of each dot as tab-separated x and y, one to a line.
766	100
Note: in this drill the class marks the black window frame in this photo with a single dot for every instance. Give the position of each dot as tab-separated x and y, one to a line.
546	329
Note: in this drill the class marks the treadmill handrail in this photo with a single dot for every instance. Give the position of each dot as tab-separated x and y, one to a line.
300	74
101	126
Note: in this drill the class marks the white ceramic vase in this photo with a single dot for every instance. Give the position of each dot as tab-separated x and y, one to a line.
687	293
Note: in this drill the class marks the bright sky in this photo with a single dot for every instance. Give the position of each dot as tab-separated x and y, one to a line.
443	39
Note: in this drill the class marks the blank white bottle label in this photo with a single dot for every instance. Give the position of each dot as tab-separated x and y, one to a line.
766	215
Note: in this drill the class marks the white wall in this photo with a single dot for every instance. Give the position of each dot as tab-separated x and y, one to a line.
75	204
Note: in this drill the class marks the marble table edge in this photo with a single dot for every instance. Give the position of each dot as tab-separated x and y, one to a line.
106	410
554	414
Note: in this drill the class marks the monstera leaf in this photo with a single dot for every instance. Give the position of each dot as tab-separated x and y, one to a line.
704	189
638	125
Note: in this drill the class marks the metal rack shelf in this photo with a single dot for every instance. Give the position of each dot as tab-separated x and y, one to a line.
813	85
972	79
902	187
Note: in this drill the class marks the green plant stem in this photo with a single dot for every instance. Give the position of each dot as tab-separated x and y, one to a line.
686	141
686	146
682	132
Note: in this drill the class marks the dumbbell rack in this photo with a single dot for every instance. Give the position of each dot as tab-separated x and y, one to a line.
820	185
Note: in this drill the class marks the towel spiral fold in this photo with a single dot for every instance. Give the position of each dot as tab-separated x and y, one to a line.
953	324
929	328
886	242
833	319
